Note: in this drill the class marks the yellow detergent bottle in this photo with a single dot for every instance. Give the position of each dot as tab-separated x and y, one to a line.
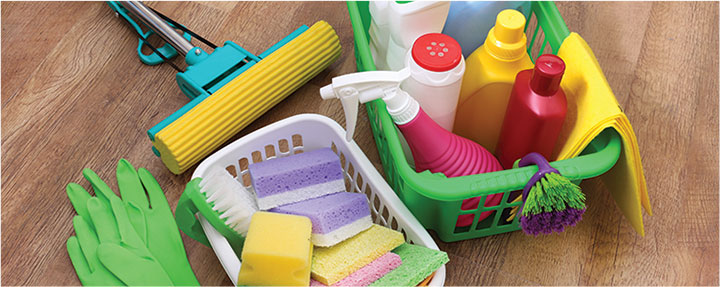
489	76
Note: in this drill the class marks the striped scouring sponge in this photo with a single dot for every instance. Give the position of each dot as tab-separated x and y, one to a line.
296	178
418	262
335	217
331	264
369	273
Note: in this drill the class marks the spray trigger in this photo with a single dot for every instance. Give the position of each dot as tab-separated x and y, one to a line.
353	89
349	101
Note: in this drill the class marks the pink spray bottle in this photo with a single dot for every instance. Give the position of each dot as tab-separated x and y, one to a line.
433	148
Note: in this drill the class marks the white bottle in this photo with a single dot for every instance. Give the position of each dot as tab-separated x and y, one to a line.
436	69
379	32
395	27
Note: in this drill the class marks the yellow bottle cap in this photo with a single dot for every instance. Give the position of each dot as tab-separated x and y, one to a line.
507	39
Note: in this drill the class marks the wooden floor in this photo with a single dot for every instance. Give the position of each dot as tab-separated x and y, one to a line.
74	95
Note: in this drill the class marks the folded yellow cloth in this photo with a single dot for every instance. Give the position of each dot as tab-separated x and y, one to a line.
592	107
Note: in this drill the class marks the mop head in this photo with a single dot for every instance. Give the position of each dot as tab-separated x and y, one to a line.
552	204
216	119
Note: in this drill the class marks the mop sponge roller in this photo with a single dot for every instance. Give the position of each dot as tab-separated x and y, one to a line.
231	108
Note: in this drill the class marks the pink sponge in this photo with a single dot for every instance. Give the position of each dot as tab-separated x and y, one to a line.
369	273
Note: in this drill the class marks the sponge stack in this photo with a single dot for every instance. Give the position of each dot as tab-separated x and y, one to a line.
330	265
369	273
296	178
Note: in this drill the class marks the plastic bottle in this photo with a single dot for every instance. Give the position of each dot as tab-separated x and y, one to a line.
433	148
489	75
535	112
436	71
401	24
468	22
379	32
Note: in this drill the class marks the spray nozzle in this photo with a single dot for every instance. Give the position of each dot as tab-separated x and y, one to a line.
353	89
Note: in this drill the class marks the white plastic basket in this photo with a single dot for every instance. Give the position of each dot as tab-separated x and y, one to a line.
307	132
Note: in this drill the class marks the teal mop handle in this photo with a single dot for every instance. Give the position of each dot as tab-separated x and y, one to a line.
152	20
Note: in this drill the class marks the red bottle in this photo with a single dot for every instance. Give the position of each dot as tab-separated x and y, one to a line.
535	112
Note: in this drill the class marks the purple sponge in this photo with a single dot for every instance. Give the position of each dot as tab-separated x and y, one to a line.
296	178
335	217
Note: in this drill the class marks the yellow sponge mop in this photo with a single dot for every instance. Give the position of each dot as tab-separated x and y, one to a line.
331	264
277	251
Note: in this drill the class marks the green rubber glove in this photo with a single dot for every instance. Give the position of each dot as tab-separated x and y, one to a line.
121	250
113	254
82	250
155	226
158	228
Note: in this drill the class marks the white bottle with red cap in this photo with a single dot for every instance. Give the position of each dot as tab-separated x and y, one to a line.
436	69
408	21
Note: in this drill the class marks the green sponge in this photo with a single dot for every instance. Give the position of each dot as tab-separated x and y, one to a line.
418	262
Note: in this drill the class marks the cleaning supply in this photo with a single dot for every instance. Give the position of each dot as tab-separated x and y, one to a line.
230	87
418	263
488	80
369	273
149	242
90	271
535	112
335	217
223	201
379	32
310	132
401	24
114	253
331	264
592	109
433	148
436	71
277	251
468	22
550	201
296	178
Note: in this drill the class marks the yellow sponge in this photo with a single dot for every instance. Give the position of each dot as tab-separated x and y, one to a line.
331	264
277	251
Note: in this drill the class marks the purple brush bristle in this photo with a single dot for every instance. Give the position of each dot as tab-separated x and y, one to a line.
547	222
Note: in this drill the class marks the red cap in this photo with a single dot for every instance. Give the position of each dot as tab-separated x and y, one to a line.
436	52
547	75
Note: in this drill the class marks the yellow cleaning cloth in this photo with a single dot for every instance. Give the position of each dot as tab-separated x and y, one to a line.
592	107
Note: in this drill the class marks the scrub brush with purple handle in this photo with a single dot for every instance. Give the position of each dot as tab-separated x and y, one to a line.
550	201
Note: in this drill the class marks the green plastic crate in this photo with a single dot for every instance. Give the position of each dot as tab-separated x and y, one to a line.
434	199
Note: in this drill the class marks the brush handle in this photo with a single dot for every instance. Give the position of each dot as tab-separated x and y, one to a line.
152	20
544	168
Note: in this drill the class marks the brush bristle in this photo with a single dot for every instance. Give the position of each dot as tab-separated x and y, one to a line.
553	203
229	198
553	193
